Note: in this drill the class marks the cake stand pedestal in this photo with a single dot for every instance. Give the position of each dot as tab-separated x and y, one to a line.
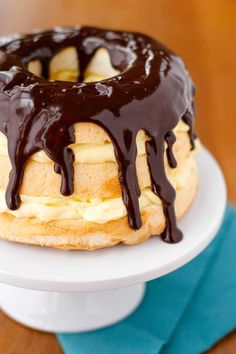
76	291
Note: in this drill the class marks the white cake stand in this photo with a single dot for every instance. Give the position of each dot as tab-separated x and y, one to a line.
63	291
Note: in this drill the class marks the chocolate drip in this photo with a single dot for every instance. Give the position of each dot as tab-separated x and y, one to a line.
187	118
170	140
152	93
162	187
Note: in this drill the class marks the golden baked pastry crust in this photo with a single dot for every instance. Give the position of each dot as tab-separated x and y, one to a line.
80	234
98	180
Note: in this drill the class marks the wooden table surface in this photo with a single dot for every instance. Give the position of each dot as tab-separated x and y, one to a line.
203	33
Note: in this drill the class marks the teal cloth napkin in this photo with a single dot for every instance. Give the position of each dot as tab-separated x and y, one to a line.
184	312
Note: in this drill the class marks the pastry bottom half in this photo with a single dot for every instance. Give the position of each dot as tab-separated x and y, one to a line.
84	235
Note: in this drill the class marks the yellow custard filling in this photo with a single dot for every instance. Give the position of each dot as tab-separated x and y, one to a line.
94	210
91	153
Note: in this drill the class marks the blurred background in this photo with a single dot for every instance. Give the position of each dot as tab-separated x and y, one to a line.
202	32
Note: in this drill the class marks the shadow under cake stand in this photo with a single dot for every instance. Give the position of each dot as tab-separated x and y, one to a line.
62	291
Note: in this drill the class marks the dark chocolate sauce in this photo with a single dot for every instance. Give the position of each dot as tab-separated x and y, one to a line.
152	93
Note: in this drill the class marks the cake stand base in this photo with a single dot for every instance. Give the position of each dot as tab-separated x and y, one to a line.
69	312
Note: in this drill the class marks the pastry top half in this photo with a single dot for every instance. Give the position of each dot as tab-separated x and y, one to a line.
96	125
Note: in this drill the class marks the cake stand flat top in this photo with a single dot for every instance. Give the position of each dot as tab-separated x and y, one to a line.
57	270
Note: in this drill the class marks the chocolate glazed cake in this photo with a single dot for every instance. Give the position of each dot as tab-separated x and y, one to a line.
148	101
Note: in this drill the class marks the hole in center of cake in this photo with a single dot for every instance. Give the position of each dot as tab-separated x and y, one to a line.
64	66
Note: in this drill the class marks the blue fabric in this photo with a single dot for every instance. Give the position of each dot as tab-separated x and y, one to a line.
184	312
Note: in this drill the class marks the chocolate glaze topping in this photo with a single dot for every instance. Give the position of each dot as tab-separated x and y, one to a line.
152	93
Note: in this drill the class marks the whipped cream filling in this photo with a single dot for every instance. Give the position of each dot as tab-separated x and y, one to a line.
92	153
95	210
